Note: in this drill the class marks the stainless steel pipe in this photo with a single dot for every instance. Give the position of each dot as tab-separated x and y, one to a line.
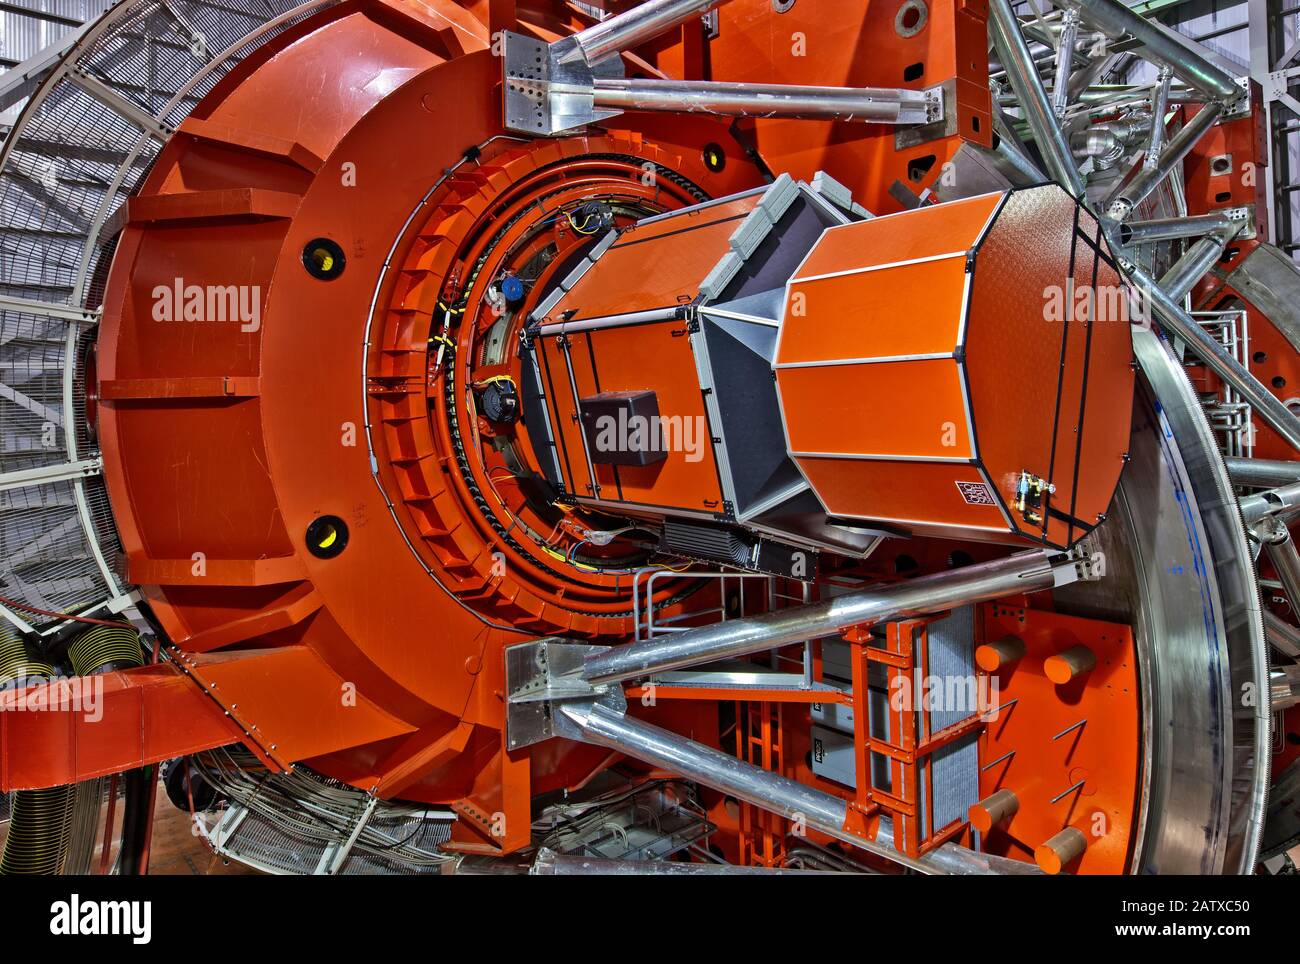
1115	19
1283	637
1159	107
1169	229
1275	537
1263	472
1023	572
1064	63
883	105
635	26
1028	86
762	788
1106	95
551	864
1284	688
1183	275
1127	196
1283	500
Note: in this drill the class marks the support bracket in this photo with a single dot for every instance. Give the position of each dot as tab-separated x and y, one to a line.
539	676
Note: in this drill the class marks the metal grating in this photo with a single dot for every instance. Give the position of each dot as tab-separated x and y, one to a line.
304	823
954	768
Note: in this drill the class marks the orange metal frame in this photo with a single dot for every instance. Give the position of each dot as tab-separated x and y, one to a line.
226	445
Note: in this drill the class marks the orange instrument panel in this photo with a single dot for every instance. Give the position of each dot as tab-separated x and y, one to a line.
653	358
775	360
962	369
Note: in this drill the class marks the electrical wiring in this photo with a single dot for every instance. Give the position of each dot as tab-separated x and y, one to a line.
582	229
15	604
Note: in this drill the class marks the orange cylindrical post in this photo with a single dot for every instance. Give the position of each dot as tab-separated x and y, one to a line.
1055	853
995	809
992	657
1069	665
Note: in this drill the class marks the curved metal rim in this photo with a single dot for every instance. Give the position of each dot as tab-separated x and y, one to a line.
1235	654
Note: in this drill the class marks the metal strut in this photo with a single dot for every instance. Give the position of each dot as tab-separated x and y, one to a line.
554	88
571	690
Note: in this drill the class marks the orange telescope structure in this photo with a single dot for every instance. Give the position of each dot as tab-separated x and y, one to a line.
590	433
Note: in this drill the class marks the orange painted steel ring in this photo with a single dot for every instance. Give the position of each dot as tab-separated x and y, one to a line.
245	436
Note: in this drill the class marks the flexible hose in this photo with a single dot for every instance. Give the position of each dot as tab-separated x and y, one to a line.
104	648
38	824
41	823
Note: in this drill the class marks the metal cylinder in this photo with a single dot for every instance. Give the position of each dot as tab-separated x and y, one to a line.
1283	637
1182	277
1010	146
635	26
1064	63
997	808
991	657
1068	666
762	788
1024	79
763	100
1159	107
1263	472
1281	551
1024	165
1023	572
1284	688
1106	96
1115	19
551	864
1128	196
1056	853
1284	499
1169	229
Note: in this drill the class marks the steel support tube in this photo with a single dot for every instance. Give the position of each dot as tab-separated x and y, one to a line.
1159	107
1011	147
1115	19
1205	347
636	26
1281	551
1105	96
1182	277
1127	196
762	788
1268	473
551	864
1283	500
881	105
1018	160
1284	637
1064	63
1284	686
1286	563
1023	572
1028	87
1170	229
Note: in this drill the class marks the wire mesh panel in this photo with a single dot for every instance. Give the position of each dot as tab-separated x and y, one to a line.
80	148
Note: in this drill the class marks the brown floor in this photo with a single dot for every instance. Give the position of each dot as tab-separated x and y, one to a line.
175	847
